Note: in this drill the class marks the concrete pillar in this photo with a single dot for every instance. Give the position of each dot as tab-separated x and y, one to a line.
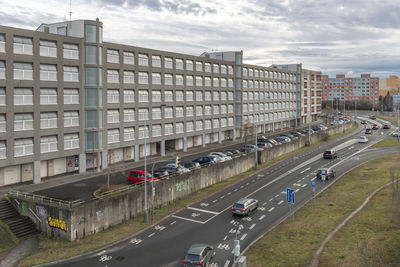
263	128
36	172
136	152
273	127
82	163
104	159
281	125
219	137
184	144
203	140
162	148
234	134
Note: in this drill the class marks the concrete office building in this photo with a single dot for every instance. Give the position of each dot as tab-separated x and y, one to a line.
70	102
350	89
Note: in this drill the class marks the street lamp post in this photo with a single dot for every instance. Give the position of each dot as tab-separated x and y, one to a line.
256	126
344	115
145	173
236	242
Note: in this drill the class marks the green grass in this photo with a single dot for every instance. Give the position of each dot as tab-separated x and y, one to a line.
294	242
392	119
387	142
7	238
51	249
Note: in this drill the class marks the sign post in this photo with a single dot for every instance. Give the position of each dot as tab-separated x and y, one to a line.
290	196
314	186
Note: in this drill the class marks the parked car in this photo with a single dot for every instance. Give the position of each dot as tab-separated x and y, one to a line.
171	170
216	158
222	155
249	148
298	134
138	177
291	136
191	165
386	126
244	206
266	141
328	173
368	131
198	255
234	153
329	154
262	145
206	160
323	127
363	139
182	168
160	173
315	128
282	139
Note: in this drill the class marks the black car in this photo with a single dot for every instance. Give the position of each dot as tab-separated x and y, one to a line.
315	128
368	131
363	122
160	173
206	160
191	165
198	255
386	126
233	153
328	174
329	154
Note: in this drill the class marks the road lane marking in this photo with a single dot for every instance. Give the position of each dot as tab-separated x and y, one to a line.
221	197
280	202
277	196
271	199
227	263
262	217
201	210
241	187
252	226
135	241
215	200
225	237
351	147
101	252
261	175
304	185
247	183
235	189
243	237
271	209
297	190
264	204
229	193
190	220
173	223
150	235
303	171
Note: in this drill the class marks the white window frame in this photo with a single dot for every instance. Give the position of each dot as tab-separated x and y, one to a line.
23	96
48	120
23	71
71	74
48	96
26	146
129	77
129	96
143	114
48	144
143	77
129	115
143	59
23	45
168	129
113	136
143	96
168	63
156	130
71	141
48	48
112	76
129	58
71	96
156	61
168	79
71	118
129	133
70	51
112	96
112	56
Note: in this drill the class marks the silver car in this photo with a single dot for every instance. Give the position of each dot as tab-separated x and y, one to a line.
198	255
244	206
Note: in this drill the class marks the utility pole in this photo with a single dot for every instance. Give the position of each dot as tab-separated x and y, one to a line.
145	173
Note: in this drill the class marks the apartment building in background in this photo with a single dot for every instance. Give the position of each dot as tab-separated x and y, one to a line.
70	102
350	89
389	86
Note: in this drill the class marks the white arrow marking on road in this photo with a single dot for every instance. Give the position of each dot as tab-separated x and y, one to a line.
243	237
305	170
271	209
252	226
280	202
135	241
262	217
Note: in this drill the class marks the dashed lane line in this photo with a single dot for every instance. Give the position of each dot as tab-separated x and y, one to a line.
252	226
280	202
243	237
173	223
227	263
262	217
187	219
297	190
304	185
150	235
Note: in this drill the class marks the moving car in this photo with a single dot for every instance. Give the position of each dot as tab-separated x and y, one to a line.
363	139
328	173
206	160
372	117
396	134
363	122
244	206
138	177
375	127
368	131
386	126
329	154
198	255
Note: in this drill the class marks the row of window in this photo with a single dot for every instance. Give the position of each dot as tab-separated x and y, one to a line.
269	116
268	95
268	106
24	46
48	96
249	72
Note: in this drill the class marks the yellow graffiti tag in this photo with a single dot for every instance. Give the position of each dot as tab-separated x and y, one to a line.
57	223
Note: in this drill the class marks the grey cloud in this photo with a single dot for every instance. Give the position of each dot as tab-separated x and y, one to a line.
28	19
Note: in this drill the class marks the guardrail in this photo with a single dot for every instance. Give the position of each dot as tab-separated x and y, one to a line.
44	200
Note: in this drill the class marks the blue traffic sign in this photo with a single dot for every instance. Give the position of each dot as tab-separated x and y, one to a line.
290	195
313	183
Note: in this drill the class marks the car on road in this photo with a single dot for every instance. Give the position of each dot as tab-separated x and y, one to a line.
363	139
375	127
206	160
386	126
363	122
372	117
396	134
138	177
244	206
329	154
328	173
368	131
191	165
198	255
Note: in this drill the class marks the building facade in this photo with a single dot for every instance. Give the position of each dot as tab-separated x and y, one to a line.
70	101
350	89
389	86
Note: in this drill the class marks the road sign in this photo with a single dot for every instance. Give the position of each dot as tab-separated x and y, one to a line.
290	195
313	183
323	174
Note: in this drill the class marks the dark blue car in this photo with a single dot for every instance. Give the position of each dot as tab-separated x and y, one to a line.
206	160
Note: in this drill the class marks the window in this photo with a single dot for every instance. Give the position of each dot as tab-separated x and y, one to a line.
71	96
48	96
129	133
207	110
189	96
143	96
207	124
70	51
199	66
189	126
216	82
179	127
71	74
23	147
23	71
112	56
48	144
223	69
2	70
112	76
215	123
179	96
245	83
179	64
156	61
223	122
199	81
230	95
189	111
168	129
223	109
129	58
199	110
199	125
156	130
189	64
216	96
230	108
256	73
179	112
156	78
48	120
168	113
23	45
113	116
223	82
230	70
207	67
2	96
216	109
129	115
112	96
2	43
143	114
23	96
91	76
189	80
251	72
48	72
168	79
143	131
143	77
2	123
215	68
168	63
245	72
129	77
71	118
207	81
91	35
179	79
156	113
199	96
48	48
223	96
112	136
3	150
143	60
129	96
168	96
230	83
208	96
71	141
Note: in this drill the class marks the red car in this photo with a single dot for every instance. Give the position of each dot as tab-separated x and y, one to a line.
137	177
375	127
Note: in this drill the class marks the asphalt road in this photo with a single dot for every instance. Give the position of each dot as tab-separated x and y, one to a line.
208	220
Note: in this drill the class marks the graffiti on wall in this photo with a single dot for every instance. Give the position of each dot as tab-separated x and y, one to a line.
41	211
183	186
57	223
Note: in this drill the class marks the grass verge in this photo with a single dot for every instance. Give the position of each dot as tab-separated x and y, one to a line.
7	238
52	249
392	119
294	242
387	142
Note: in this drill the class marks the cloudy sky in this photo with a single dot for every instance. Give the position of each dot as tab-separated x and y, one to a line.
333	36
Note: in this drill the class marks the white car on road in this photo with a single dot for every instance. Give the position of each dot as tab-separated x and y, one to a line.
363	139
